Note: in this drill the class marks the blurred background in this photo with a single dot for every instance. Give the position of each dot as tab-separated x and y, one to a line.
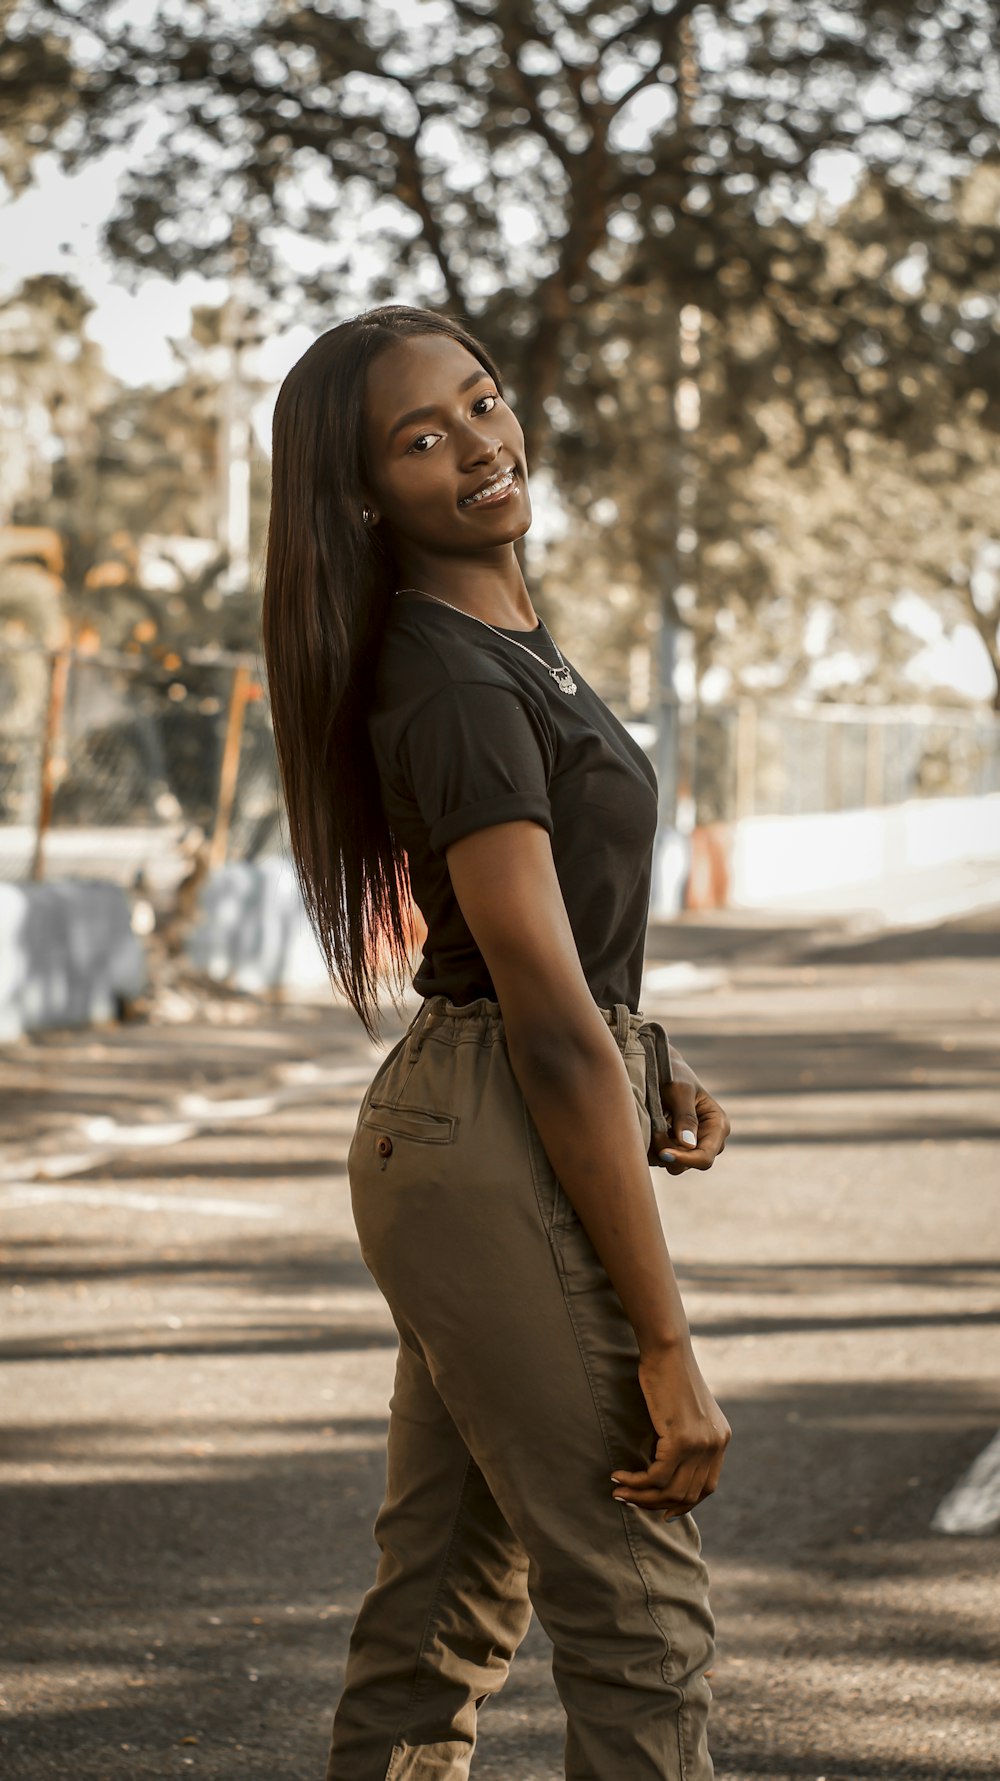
739	265
740	269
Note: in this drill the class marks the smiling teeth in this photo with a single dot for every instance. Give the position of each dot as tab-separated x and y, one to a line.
492	488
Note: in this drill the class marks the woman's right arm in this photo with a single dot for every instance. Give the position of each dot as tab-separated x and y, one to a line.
577	1089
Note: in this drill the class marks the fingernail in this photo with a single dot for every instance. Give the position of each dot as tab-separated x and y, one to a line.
620	1499
689	1137
666	1156
615	1480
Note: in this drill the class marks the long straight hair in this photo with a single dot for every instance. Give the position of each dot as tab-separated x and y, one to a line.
327	587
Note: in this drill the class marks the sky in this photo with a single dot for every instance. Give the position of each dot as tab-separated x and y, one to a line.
56	225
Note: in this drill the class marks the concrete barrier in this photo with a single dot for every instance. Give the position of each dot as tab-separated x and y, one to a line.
68	956
253	933
774	858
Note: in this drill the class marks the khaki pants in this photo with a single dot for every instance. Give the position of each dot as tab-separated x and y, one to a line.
516	1396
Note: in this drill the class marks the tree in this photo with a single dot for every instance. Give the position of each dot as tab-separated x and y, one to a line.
39	87
110	543
568	176
841	485
122	476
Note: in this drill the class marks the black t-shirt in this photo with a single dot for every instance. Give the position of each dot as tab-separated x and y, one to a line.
468	730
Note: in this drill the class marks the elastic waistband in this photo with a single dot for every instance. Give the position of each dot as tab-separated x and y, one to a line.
439	1011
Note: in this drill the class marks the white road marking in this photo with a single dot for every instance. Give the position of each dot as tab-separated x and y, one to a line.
201	1112
105	1130
681	977
308	1072
973	1507
250	1107
27	1194
47	1168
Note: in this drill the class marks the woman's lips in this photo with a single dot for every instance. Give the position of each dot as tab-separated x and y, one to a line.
501	489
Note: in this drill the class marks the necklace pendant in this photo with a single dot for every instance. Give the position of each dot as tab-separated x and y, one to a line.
563	679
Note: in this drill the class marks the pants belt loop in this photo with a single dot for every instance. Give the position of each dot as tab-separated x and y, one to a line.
622	1024
416	1033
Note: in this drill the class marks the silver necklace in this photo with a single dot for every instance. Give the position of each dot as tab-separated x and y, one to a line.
561	675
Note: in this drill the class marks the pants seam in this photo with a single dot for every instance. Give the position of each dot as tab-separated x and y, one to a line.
549	1220
625	1511
436	1036
432	1612
399	1742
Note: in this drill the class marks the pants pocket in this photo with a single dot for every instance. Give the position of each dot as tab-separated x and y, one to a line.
422	1125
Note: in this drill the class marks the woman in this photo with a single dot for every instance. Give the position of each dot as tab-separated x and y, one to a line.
549	1429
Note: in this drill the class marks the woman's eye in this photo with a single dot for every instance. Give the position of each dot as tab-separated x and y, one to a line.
424	441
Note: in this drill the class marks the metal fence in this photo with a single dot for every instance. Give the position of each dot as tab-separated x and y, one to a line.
111	762
763	759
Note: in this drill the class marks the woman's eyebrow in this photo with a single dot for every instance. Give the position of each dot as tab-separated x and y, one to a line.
423	414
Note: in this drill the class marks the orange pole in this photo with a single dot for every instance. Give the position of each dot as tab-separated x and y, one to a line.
49	768
239	695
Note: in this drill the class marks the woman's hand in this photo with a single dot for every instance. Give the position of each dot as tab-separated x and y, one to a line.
699	1125
691	1437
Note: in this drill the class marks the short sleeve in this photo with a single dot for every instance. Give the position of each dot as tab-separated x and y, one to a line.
474	755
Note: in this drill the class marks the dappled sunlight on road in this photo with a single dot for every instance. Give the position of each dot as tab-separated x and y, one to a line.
196	1397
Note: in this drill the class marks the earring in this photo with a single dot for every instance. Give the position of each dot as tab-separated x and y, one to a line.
367	515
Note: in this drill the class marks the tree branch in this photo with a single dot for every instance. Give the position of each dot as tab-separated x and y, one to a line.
411	191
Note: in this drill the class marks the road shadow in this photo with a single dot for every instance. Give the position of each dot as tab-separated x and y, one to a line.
247	1273
973	937
211	1598
248	1265
732	939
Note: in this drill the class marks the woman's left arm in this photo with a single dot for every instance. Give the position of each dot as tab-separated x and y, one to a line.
698	1124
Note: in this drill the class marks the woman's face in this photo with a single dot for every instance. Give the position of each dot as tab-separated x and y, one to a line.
438	433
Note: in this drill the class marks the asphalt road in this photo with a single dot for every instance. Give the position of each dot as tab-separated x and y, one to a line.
196	1366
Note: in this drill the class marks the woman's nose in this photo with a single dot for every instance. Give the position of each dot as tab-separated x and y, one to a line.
479	450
